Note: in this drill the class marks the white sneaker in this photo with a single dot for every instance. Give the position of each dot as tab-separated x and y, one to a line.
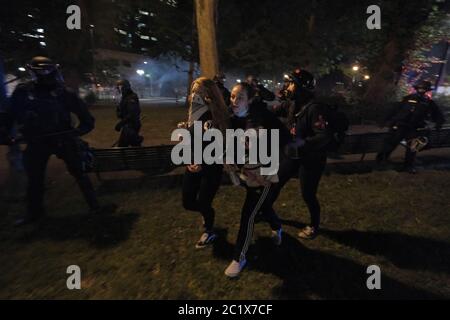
276	237
235	268
206	239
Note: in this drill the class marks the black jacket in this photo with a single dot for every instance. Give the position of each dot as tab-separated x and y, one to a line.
41	111
206	120
311	126
412	112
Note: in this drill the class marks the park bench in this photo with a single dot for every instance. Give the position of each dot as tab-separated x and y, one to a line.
366	143
156	160
151	160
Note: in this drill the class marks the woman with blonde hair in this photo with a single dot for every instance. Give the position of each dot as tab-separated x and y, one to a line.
201	182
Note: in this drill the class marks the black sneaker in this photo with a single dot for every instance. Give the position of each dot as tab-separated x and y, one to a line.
205	240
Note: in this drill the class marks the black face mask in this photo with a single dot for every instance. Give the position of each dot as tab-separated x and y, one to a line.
302	96
49	81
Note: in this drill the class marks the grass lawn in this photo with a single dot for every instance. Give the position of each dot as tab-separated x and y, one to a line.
145	250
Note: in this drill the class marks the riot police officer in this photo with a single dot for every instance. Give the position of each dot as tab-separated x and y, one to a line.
220	79
406	118
129	113
42	108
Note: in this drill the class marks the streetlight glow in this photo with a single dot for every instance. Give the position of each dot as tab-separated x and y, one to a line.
140	72
355	68
366	77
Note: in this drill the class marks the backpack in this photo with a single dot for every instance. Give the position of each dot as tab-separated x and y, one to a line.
338	124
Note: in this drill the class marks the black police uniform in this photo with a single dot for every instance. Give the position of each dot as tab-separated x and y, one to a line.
129	113
257	200
44	116
405	120
310	158
200	188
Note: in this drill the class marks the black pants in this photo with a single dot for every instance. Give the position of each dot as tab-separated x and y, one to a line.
36	157
391	142
256	200
199	190
309	171
129	137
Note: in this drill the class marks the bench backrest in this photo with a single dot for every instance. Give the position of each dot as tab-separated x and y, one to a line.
157	159
373	142
150	159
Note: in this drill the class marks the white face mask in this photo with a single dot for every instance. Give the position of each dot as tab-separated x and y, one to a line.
197	101
241	110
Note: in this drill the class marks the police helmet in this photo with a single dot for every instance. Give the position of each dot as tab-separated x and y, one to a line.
303	79
44	70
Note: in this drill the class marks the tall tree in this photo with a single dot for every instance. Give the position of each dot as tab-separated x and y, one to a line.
206	26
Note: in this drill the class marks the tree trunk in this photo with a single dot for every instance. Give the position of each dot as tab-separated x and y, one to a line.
190	80
206	27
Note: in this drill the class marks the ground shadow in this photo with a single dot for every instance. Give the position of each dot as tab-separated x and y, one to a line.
221	247
99	231
310	274
428	162
111	186
404	251
293	223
